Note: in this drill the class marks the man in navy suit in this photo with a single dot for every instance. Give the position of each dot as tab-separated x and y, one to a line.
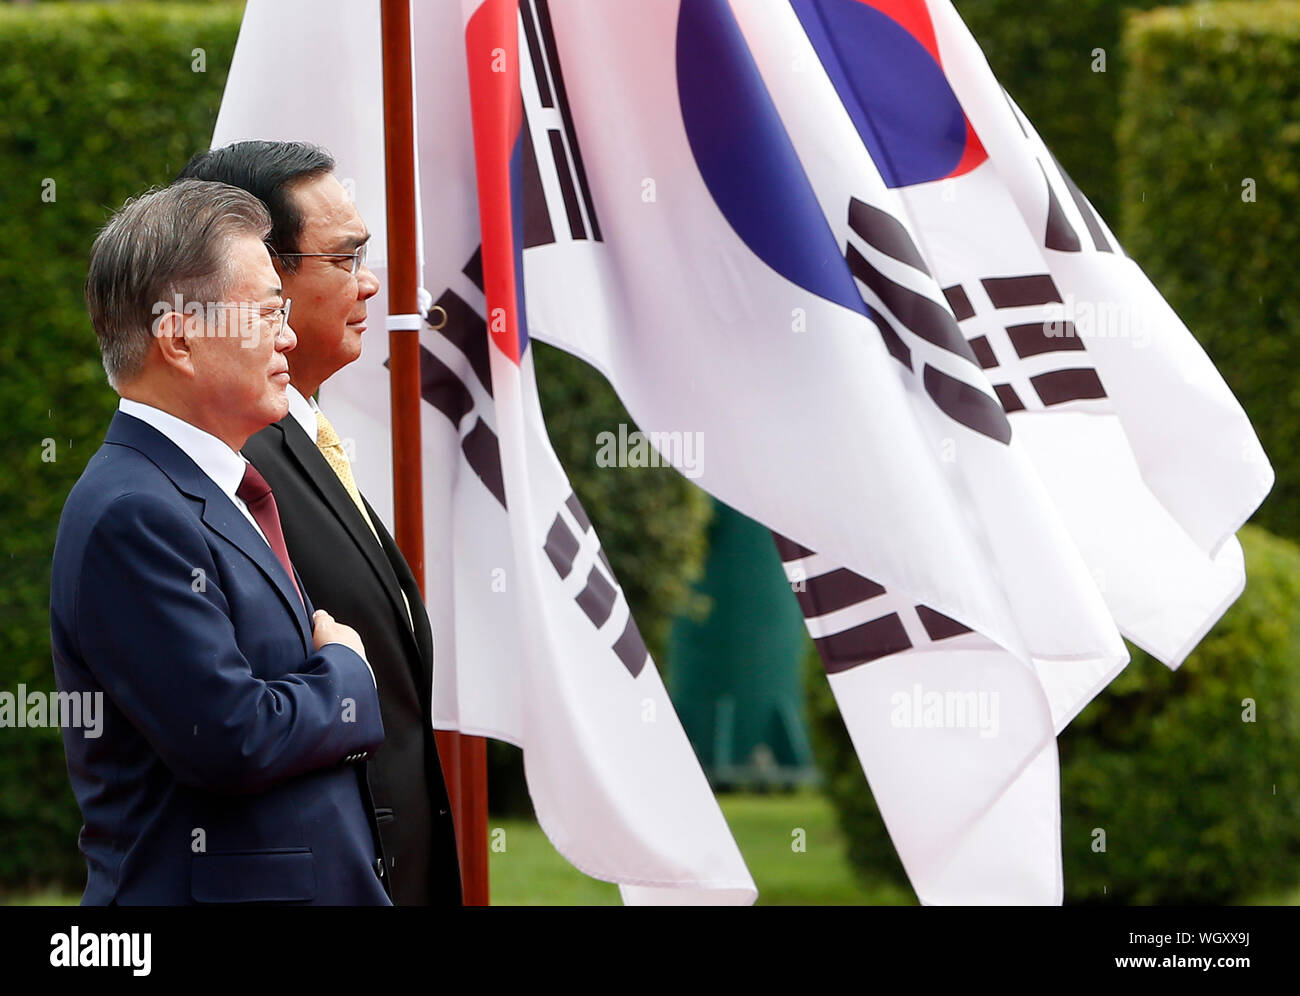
230	764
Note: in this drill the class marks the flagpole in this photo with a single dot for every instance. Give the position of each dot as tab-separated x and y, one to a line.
463	758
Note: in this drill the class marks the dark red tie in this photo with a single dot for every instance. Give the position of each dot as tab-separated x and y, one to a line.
256	494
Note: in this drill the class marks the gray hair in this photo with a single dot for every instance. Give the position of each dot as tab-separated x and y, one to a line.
162	245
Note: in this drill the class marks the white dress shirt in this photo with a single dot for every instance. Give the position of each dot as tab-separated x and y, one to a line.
218	461
304	412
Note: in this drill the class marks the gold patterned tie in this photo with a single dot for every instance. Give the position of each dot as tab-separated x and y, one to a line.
331	447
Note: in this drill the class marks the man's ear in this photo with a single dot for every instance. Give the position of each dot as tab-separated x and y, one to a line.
173	332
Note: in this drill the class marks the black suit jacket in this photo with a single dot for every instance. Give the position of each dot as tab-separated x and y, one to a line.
360	583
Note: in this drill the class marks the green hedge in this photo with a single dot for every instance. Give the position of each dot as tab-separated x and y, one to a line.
1042	52
103	101
1213	99
1197	805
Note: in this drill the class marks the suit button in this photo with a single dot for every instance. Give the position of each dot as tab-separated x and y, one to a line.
379	867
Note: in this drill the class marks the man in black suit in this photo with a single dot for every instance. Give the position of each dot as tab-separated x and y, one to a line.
349	563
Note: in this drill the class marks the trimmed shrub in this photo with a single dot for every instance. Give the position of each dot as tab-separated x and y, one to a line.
1190	773
1209	141
102	102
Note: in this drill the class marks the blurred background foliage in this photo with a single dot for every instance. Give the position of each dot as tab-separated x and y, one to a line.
1209	140
1159	116
100	102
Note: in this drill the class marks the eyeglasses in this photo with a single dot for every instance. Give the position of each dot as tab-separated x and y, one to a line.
358	258
278	318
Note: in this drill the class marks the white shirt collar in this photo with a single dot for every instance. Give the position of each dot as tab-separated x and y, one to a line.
222	464
303	411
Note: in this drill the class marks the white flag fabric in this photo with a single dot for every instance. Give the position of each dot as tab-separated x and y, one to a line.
819	236
738	318
535	643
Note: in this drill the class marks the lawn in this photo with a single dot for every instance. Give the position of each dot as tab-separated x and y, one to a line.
529	871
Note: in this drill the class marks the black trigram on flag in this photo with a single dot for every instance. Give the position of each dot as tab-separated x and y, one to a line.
1000	325
852	619
1034	363
571	544
1061	231
456	380
455	370
557	201
918	328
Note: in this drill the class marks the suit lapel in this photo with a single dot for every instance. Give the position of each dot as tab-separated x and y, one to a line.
227	521
219	512
414	601
317	470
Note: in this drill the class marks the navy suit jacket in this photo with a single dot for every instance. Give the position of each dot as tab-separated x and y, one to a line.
228	766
